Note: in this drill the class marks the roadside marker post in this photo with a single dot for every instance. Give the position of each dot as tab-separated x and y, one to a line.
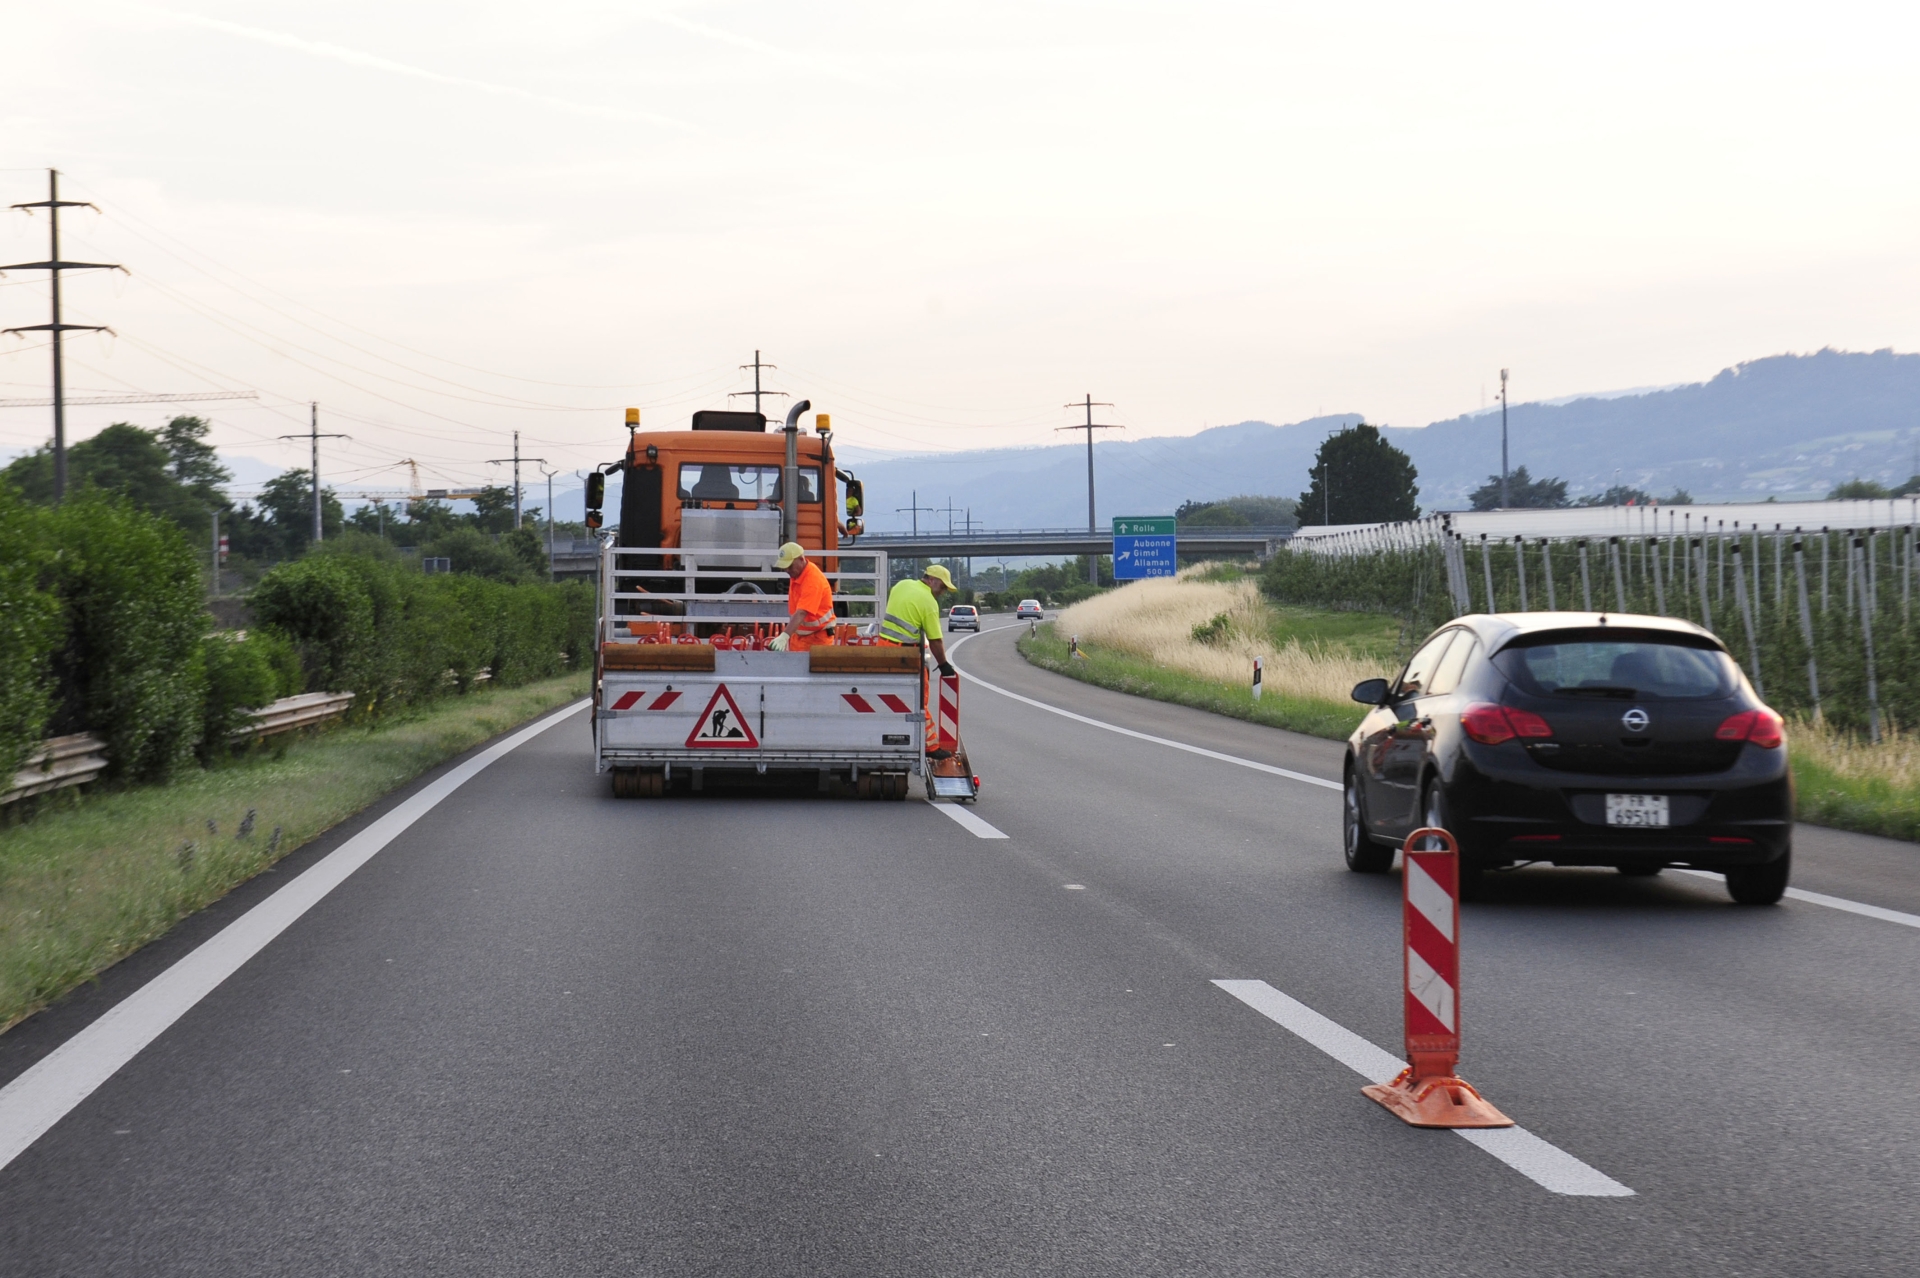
1257	671
1427	1093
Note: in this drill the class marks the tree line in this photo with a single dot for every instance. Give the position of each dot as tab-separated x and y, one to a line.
173	473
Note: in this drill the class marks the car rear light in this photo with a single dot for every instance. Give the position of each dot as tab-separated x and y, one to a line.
1490	724
1728	839
1760	727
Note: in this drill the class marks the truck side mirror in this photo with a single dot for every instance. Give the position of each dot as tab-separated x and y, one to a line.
856	498
596	497
1370	692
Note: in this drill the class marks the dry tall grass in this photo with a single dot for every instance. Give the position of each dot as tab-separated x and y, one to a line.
1155	620
1850	756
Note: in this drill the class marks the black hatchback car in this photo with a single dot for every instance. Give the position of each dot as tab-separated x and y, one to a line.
1574	738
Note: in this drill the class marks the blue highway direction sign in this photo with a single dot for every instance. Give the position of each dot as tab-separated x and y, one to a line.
1144	547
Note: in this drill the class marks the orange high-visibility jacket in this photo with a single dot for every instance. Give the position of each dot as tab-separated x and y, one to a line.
809	593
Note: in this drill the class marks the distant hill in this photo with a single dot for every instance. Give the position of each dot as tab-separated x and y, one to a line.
1790	425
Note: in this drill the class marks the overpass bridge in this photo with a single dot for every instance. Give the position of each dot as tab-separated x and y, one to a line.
581	558
1227	543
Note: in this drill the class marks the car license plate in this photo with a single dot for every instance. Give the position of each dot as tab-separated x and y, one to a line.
1637	809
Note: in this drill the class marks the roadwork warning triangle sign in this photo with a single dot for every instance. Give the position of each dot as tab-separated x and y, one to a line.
721	726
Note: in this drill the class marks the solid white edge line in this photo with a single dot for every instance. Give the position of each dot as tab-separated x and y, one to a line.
968	820
1545	1164
1831	902
40	1097
1144	736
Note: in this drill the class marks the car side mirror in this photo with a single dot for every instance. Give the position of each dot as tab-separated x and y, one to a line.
1371	692
856	498
596	497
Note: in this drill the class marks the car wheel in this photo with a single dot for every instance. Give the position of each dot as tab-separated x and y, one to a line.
1435	813
1761	884
1364	856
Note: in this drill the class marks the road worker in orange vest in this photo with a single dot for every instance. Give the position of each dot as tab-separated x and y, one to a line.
810	618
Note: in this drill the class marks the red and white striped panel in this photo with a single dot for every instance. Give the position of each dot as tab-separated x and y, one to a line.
1432	925
863	706
948	724
631	701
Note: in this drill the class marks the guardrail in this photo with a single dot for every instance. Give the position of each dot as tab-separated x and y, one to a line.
58	763
290	713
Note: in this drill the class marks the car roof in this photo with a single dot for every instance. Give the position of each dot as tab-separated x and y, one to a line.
1499	629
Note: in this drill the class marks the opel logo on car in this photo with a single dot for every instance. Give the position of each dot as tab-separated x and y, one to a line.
1636	720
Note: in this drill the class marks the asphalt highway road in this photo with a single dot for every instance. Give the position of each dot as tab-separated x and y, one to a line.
545	1031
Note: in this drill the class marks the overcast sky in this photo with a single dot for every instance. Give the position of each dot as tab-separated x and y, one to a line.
446	221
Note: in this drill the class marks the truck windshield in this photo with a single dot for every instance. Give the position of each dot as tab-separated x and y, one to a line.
1622	667
723	481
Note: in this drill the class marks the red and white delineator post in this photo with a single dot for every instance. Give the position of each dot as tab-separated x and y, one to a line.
1427	1092
951	776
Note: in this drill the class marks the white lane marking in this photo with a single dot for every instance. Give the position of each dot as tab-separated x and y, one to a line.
44	1094
968	821
1811	898
1831	902
1428	897
1145	736
1546	1165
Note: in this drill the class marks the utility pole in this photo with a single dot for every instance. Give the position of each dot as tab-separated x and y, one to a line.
552	574
1090	426
756	392
949	510
313	434
916	508
516	459
1506	496
53	266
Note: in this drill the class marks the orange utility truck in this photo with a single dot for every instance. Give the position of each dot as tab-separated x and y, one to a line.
691	684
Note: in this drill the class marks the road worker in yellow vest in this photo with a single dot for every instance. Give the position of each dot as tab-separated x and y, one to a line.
913	619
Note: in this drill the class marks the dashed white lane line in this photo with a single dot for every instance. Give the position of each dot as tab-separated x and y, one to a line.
1147	736
1832	902
1545	1164
968	820
46	1093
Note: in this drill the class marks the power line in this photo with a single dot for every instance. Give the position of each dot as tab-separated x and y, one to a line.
132	399
53	266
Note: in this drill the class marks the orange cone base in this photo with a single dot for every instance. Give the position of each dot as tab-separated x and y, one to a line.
1440	1100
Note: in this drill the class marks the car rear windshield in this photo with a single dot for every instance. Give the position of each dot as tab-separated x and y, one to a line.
1639	667
963	610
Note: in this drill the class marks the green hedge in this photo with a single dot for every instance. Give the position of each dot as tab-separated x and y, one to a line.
395	637
132	669
30	631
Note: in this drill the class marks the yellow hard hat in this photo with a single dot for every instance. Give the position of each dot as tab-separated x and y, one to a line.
788	553
940	574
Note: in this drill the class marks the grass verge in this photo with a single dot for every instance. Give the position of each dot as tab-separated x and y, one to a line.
1142	678
1850	784
87	882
